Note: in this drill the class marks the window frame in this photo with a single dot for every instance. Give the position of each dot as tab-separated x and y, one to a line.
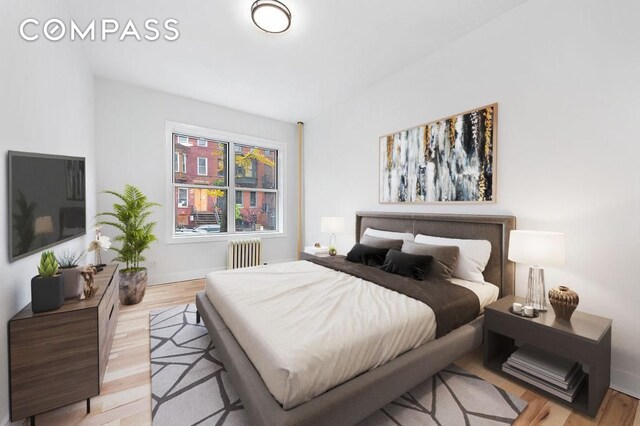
232	140
206	166
205	145
187	198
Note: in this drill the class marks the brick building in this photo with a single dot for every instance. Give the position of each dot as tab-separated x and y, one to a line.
202	165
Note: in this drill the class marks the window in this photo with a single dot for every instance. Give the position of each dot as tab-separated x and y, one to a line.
220	193
256	171
183	197
202	166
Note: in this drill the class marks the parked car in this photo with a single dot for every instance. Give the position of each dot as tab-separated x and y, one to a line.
185	231
205	229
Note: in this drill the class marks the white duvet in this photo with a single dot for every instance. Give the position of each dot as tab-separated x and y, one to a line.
307	328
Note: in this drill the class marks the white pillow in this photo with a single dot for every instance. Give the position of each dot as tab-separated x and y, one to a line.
389	235
474	255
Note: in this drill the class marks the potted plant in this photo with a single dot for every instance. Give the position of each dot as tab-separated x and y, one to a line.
47	288
68	262
130	217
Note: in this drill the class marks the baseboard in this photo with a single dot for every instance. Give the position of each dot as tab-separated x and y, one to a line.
171	277
194	274
6	421
625	382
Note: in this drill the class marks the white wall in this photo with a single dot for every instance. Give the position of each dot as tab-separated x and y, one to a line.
46	105
566	77
130	146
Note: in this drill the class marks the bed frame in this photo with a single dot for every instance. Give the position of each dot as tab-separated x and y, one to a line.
361	396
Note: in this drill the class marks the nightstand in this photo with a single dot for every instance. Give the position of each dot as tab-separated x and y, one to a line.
304	255
585	339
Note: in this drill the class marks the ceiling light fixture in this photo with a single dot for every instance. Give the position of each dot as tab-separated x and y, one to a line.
271	16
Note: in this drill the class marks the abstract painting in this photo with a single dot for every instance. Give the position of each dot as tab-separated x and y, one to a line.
449	160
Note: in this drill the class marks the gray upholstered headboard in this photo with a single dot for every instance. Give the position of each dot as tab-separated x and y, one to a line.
499	270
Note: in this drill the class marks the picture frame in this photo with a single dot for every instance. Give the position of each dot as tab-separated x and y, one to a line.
449	160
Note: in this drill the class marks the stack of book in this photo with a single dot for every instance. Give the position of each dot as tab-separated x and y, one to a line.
551	373
317	251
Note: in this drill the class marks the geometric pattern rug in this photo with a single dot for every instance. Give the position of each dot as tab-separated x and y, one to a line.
190	386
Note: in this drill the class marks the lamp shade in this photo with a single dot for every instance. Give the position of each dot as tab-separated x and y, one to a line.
43	225
537	248
332	225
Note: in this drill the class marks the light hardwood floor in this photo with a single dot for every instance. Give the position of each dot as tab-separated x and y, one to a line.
125	398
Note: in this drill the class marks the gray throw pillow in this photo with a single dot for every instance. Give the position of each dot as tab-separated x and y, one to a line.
370	241
445	257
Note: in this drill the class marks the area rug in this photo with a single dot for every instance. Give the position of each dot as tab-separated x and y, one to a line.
190	386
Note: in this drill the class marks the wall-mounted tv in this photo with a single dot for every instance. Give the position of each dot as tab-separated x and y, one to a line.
46	201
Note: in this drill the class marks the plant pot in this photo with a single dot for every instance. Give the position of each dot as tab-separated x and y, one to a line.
47	294
564	301
73	282
132	286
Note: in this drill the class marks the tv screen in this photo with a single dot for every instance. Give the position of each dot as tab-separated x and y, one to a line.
46	201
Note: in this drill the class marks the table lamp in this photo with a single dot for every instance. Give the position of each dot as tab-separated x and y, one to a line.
537	249
332	225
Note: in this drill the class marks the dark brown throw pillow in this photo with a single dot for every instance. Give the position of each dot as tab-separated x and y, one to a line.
367	255
445	257
410	265
370	241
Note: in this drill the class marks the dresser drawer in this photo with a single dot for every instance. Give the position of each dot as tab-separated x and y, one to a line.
107	320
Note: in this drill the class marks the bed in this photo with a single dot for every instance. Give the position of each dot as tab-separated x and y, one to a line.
360	396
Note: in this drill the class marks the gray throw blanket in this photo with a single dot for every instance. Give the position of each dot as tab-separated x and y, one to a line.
452	304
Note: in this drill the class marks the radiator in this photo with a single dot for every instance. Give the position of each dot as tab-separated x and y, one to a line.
244	253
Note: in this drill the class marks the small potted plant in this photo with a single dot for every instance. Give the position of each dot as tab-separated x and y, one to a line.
130	217
68	261
47	288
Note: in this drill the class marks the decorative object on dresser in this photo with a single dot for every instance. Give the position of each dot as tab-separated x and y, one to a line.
88	274
102	242
68	261
47	288
449	160
333	226
60	357
537	249
564	301
131	218
550	352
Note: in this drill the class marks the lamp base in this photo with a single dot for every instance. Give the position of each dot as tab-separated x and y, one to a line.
332	245
536	295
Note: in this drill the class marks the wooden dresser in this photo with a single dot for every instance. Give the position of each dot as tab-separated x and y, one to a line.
60	357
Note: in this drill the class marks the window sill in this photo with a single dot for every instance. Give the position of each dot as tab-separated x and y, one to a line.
211	238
